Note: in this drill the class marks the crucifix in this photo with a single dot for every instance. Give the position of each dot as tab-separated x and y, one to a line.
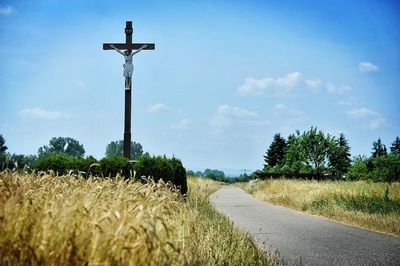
130	50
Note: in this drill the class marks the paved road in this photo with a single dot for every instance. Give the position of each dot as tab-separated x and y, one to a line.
305	239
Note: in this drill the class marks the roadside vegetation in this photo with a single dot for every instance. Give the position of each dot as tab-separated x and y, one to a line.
372	205
69	220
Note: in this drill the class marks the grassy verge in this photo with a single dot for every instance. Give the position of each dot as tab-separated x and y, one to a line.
67	220
370	205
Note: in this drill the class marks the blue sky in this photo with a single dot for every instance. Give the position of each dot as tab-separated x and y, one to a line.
224	78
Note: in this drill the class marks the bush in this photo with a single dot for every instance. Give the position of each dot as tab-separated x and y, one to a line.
358	170
158	168
386	168
111	166
169	170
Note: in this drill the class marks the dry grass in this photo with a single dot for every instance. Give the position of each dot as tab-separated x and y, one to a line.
370	205
69	220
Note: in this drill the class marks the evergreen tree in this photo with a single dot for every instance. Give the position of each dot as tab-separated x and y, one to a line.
339	155
395	148
276	152
3	147
378	149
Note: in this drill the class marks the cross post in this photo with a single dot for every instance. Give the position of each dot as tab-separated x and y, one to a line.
128	46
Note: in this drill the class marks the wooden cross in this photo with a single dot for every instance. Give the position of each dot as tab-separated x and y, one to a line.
128	46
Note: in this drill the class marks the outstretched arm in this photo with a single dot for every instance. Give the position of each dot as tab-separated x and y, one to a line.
116	49
140	49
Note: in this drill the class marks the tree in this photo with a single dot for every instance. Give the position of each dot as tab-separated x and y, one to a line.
339	155
315	149
62	146
3	147
276	152
116	148
395	148
293	161
378	149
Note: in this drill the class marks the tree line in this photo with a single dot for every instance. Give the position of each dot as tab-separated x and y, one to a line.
61	146
317	153
63	155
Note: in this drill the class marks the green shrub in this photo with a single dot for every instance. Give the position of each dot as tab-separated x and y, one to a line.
179	175
169	170
62	164
111	166
358	170
386	168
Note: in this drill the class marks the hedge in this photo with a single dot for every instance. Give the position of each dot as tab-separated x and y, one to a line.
170	170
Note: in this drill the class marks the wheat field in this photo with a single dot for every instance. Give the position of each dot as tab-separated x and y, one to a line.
365	204
70	220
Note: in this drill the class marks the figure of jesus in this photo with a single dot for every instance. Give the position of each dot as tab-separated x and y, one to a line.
128	66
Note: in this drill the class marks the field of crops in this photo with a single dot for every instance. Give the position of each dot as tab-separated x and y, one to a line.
366	204
70	220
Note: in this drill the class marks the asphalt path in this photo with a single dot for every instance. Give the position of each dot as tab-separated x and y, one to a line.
304	239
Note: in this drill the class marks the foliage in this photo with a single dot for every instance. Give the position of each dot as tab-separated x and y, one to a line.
386	168
276	152
62	146
169	170
311	152
116	148
374	205
3	147
358	170
115	165
214	174
315	148
62	164
395	148
378	149
293	155
339	155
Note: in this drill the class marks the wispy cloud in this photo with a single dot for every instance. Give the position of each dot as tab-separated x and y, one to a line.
313	84
7	10
183	124
285	110
373	119
41	114
226	115
284	84
367	67
336	89
291	82
157	107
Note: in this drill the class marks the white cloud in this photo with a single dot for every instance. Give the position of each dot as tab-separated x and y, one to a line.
8	10
350	101
41	114
284	84
335	89
285	110
183	124
367	67
373	119
157	107
235	112
313	84
226	115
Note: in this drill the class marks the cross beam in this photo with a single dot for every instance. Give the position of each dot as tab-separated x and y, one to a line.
128	46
